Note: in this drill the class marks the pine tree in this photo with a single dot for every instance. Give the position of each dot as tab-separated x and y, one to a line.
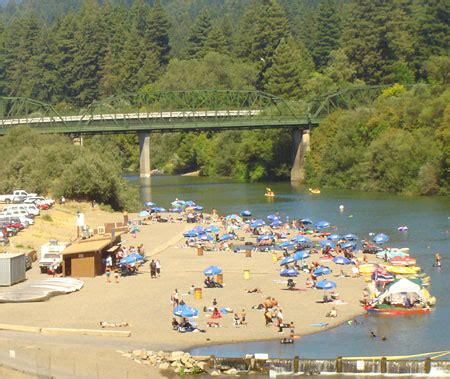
158	32
327	33
292	66
198	36
216	41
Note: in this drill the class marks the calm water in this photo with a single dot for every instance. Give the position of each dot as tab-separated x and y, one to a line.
429	231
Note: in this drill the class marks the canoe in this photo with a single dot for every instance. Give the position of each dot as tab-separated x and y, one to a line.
403	261
402	270
396	311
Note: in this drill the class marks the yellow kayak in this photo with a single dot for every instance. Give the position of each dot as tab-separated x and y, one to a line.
402	270
366	269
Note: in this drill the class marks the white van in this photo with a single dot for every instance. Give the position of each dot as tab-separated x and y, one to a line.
30	208
23	215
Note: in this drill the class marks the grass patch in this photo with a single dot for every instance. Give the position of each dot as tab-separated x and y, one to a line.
47	217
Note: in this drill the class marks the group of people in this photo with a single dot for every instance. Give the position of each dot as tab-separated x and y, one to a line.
155	268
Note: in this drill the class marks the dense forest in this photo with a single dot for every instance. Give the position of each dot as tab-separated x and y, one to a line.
72	52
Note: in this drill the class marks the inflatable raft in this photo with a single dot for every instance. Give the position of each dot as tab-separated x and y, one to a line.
394	311
402	270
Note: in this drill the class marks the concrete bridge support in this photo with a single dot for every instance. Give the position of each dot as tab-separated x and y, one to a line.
144	160
300	147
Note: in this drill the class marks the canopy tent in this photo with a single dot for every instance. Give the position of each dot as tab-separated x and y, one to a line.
402	286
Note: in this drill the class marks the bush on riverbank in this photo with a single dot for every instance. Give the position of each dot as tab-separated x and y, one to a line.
49	164
401	144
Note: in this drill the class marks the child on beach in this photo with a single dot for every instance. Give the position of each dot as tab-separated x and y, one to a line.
116	275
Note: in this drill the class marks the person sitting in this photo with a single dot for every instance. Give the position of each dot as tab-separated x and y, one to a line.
291	284
332	313
254	290
208	282
175	324
309	283
334	296
268	317
216	313
237	320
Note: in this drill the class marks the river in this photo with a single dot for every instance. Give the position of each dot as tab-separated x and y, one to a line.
428	221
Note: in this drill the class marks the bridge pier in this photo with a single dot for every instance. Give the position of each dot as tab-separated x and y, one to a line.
144	157
301	145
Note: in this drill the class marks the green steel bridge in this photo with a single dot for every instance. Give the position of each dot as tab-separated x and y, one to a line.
177	111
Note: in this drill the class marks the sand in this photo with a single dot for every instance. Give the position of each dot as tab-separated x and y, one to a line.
145	303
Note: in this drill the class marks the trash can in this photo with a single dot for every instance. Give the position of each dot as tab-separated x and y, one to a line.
199	251
246	274
197	293
248	253
219	278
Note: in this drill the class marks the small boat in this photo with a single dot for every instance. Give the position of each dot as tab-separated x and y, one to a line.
393	311
366	269
402	228
314	191
402	270
403	261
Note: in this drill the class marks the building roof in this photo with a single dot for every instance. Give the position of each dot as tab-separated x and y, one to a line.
92	244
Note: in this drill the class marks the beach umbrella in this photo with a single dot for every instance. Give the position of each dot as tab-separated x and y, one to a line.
212	229
149	204
197	208
341	260
349	244
190	203
265	237
325	285
300	254
381	275
212	270
185	311
226	237
380	238
246	213
178	203
233	217
334	237
325	243
287	260
257	224
190	234
322	270
276	224
285	245
301	239
306	221
323	225
350	237
389	254
175	210
158	209
206	237
136	256
289	272
130	260
144	214
273	217
199	229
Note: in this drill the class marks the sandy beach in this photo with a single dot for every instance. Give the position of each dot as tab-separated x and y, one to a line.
144	303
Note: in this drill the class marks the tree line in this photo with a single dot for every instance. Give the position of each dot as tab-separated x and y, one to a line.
72	52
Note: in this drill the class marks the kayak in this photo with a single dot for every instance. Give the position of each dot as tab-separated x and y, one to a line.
396	310
402	270
366	269
403	261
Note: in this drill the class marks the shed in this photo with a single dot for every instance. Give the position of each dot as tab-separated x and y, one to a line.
85	258
12	268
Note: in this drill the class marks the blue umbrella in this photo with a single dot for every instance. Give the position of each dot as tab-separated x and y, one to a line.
198	208
178	203
246	213
289	272
257	224
287	260
325	285
306	221
334	237
136	256
185	311
285	245
301	254
380	238
144	214
159	209
349	244
325	243
129	260
323	225
342	260
233	217
212	229
149	204
190	203
350	237
190	234
276	223
199	229
273	217
322	270
301	239
265	237
226	237
206	237
212	270
175	210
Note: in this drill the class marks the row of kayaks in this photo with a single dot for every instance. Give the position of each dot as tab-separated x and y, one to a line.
369	268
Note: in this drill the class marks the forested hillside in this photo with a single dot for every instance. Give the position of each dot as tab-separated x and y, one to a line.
72	52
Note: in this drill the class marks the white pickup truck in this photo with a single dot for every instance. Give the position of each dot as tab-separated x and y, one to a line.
17	197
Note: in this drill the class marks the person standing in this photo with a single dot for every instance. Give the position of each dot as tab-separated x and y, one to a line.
280	317
175	299
158	267
153	269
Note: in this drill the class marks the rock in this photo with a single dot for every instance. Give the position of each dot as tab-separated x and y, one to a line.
201	365
201	358
176	364
215	373
137	361
152	359
185	358
126	355
161	354
143	355
188	365
164	366
231	371
150	353
136	353
120	352
176	356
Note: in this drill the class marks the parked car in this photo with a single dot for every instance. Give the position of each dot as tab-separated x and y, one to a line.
16	197
39	200
4	241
